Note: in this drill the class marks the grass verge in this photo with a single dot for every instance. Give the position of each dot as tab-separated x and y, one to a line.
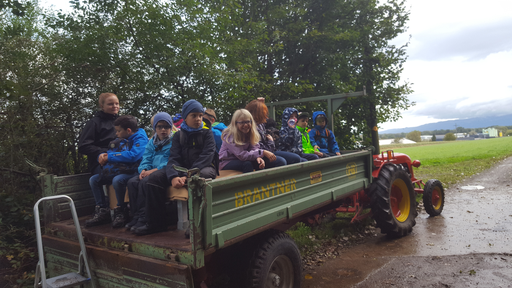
453	161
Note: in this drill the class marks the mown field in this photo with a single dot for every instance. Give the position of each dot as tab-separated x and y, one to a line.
453	161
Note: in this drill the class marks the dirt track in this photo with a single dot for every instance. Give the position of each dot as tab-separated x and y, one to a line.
468	245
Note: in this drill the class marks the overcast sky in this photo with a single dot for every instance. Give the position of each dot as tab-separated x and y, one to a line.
460	57
460	60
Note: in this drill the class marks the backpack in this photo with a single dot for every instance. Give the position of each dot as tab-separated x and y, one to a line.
112	169
197	144
318	134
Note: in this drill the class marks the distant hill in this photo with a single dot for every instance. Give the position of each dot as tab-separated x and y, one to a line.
481	122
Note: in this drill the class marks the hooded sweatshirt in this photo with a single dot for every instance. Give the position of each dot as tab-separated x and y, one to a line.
155	157
217	129
290	139
306	144
138	140
327	143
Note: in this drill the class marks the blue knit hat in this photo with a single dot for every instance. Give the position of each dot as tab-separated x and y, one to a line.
191	106
162	116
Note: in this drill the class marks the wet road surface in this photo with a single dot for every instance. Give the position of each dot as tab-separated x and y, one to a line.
468	245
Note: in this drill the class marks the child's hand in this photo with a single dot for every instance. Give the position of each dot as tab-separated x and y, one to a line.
261	163
338	153
269	138
145	173
316	147
179	182
102	159
319	154
269	155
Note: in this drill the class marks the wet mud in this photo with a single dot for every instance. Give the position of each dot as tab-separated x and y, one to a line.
468	245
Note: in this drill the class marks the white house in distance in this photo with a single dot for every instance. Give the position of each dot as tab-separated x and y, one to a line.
491	132
390	141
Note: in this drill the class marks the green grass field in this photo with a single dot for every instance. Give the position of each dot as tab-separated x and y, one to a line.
453	161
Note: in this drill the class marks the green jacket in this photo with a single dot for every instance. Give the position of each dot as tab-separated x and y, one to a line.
306	144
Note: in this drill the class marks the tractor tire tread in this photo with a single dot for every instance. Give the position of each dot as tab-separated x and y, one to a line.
380	202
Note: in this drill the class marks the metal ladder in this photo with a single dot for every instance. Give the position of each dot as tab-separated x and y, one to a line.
65	280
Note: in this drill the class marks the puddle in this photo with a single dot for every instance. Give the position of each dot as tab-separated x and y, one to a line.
472	187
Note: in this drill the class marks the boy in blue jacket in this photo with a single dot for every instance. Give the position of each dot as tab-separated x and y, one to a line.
322	138
192	147
119	164
154	158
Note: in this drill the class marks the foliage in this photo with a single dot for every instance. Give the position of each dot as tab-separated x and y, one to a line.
392	135
333	227
434	138
414	136
15	7
449	137
155	55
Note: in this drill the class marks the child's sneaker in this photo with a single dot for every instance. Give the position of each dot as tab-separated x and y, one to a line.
132	223
101	216
120	217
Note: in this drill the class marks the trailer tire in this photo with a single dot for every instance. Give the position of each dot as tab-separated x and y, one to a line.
393	201
276	263
433	197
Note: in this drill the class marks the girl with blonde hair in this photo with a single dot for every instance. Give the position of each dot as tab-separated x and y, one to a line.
240	149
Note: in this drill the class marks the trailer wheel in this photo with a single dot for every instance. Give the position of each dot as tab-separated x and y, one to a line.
393	201
276	263
433	197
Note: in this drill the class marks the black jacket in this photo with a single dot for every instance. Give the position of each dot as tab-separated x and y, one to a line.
191	152
95	136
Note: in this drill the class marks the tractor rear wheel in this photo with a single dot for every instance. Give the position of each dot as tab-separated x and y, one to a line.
393	201
433	197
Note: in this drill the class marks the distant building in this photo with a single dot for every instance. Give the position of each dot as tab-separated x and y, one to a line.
426	137
490	132
383	142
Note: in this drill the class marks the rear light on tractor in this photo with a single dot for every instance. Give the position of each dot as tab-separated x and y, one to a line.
389	154
416	163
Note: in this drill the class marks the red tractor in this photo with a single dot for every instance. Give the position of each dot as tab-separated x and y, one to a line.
392	194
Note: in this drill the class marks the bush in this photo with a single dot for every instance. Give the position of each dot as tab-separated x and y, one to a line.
450	137
414	136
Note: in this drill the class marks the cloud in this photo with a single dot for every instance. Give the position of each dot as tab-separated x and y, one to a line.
458	109
470	42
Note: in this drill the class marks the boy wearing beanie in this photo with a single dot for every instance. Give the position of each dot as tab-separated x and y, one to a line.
192	147
154	159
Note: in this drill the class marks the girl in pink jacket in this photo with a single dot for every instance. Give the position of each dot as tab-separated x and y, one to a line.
240	149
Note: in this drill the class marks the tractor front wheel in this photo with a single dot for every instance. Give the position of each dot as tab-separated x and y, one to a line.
433	197
393	201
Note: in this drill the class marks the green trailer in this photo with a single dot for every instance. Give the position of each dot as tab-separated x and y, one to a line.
235	221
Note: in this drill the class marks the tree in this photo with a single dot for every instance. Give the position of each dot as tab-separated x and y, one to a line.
15	7
414	136
285	50
449	137
434	138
